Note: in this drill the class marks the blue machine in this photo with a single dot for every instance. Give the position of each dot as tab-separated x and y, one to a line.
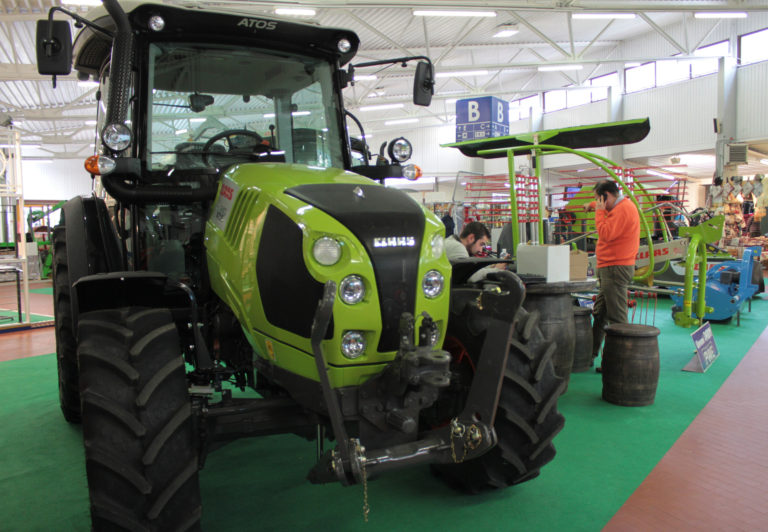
729	286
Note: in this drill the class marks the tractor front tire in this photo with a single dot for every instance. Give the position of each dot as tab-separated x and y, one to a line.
527	418
140	444
66	346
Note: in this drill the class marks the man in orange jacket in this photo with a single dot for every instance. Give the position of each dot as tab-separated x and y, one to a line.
618	239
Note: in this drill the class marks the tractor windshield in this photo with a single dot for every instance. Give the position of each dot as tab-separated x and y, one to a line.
214	105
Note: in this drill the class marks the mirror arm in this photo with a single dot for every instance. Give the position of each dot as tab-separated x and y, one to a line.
402	60
49	43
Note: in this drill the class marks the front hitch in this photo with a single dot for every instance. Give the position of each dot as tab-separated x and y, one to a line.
468	435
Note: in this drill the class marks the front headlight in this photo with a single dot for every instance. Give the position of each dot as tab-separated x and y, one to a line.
116	137
438	245
432	284
352	344
352	289
400	150
326	251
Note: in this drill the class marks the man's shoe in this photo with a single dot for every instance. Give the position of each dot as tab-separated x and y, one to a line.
598	369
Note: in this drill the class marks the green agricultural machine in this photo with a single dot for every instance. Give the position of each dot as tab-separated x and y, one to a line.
243	247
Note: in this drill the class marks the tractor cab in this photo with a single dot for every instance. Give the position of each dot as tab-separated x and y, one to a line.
206	91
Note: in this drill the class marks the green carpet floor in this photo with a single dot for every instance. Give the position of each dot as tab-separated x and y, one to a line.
604	453
45	291
12	316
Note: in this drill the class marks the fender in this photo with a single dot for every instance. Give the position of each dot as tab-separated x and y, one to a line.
128	289
92	244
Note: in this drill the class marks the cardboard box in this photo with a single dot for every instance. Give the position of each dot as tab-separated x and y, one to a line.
553	262
481	118
579	265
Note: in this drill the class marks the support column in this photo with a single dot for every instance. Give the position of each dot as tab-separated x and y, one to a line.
726	114
615	104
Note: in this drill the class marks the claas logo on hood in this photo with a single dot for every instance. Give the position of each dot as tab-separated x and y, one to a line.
394	242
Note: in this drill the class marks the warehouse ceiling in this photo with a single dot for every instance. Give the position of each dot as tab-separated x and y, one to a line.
61	121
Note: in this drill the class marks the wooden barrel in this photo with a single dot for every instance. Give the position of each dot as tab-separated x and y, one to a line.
582	352
630	364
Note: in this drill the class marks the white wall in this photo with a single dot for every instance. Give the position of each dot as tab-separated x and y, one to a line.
681	117
752	103
59	180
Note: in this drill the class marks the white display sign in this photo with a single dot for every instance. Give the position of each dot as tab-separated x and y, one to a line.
224	202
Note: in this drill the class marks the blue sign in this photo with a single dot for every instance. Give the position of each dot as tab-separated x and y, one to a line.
706	350
479	118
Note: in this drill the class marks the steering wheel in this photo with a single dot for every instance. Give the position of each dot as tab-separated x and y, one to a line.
237	148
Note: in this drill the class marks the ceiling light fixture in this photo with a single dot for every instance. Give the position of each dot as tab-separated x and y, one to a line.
81	2
559	68
401	121
9	146
659	174
197	120
88	84
295	12
464	73
506	30
365	77
599	16
720	14
382	107
433	13
764	161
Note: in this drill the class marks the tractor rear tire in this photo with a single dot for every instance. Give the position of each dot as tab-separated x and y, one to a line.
140	443
66	346
527	418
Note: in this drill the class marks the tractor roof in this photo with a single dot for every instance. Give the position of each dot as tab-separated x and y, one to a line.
223	26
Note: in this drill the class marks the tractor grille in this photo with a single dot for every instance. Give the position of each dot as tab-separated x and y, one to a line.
244	201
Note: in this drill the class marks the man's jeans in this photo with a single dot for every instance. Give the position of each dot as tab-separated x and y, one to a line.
611	303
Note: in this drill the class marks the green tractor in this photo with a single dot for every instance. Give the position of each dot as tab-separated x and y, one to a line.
242	247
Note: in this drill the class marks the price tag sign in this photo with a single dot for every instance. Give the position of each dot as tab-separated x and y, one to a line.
706	349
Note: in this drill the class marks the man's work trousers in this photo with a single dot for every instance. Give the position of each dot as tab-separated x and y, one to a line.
611	303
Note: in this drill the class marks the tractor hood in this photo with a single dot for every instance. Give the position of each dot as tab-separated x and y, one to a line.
390	225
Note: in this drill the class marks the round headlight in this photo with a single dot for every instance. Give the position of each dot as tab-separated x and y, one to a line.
327	251
117	137
400	150
438	245
352	289
156	23
344	45
432	284
352	344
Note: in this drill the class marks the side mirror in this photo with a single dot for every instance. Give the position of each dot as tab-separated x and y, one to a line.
54	47
423	84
